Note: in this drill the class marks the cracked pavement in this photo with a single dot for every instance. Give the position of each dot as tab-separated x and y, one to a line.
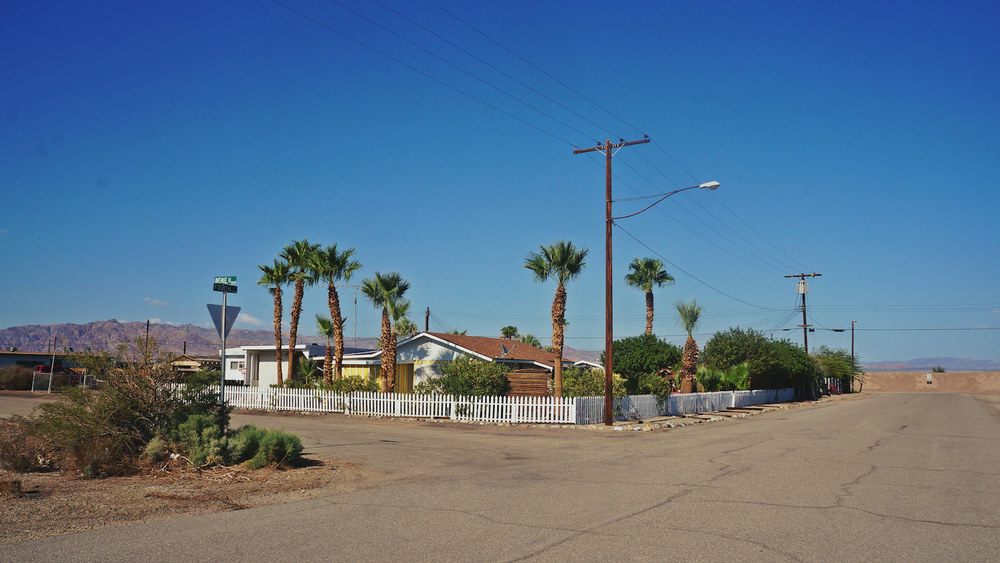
881	477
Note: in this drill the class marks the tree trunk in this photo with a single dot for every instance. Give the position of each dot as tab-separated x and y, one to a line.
649	312
558	333
300	288
277	331
392	362
327	365
338	330
689	361
387	362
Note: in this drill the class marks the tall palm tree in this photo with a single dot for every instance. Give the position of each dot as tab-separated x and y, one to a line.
646	273
689	314
273	278
508	332
325	327
386	292
298	255
332	266
559	262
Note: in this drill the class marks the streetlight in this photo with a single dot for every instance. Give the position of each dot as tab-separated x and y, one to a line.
608	309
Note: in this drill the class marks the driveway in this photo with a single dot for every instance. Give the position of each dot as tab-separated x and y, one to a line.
888	476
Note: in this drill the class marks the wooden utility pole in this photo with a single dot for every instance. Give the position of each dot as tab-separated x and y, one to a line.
608	310
803	289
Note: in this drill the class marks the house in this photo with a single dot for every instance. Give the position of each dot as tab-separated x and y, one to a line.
188	363
417	358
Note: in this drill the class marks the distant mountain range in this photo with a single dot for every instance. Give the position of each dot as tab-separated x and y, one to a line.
195	340
105	335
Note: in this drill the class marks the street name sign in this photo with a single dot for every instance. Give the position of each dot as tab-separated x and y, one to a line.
224	288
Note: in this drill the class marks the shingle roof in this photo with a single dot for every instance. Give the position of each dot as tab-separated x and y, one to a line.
498	348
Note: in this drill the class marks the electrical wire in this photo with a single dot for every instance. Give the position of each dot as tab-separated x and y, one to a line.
533	65
501	71
689	274
420	72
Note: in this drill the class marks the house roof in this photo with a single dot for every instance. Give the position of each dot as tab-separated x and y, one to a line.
498	349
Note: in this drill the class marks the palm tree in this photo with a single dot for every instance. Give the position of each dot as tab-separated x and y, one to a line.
530	340
325	327
333	267
689	314
298	255
646	273
386	292
401	323
560	262
273	278
508	332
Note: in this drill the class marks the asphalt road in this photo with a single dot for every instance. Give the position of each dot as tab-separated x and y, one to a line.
911	477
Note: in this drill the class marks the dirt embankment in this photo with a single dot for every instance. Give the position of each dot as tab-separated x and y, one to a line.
913	382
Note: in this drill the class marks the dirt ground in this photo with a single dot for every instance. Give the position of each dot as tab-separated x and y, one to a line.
58	503
916	382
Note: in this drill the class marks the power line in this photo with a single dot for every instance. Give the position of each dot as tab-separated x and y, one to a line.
501	71
418	71
533	65
689	274
460	68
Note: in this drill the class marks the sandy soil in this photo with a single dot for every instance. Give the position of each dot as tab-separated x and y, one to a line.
58	503
916	382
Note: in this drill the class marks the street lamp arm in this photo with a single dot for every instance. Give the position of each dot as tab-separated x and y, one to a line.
707	185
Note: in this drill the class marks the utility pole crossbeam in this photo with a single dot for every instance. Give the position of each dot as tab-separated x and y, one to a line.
803	289
607	147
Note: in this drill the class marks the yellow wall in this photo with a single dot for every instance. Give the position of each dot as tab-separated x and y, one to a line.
404	378
368	372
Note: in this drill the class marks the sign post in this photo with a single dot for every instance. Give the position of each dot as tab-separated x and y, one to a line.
225	285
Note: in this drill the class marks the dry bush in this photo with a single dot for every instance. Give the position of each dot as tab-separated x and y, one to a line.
23	453
15	378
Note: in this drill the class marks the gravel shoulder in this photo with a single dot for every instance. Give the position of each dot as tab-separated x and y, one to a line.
58	503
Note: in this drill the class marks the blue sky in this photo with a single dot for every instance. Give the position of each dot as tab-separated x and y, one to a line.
146	147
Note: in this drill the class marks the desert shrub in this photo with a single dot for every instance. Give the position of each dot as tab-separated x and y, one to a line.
467	376
244	443
197	398
583	382
22	452
276	448
104	432
637	358
15	378
201	439
156	450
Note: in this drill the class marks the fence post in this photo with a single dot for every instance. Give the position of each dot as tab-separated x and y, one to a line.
454	408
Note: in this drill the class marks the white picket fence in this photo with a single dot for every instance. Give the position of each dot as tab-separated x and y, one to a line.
590	410
545	410
478	409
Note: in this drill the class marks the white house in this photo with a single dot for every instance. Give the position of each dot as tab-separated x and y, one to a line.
417	358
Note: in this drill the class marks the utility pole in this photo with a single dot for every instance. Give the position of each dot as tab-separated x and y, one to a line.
803	288
427	320
854	359
608	310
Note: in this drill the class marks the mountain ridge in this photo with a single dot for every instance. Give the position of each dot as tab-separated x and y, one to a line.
178	339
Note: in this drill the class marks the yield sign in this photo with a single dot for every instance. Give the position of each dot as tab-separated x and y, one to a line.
216	312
